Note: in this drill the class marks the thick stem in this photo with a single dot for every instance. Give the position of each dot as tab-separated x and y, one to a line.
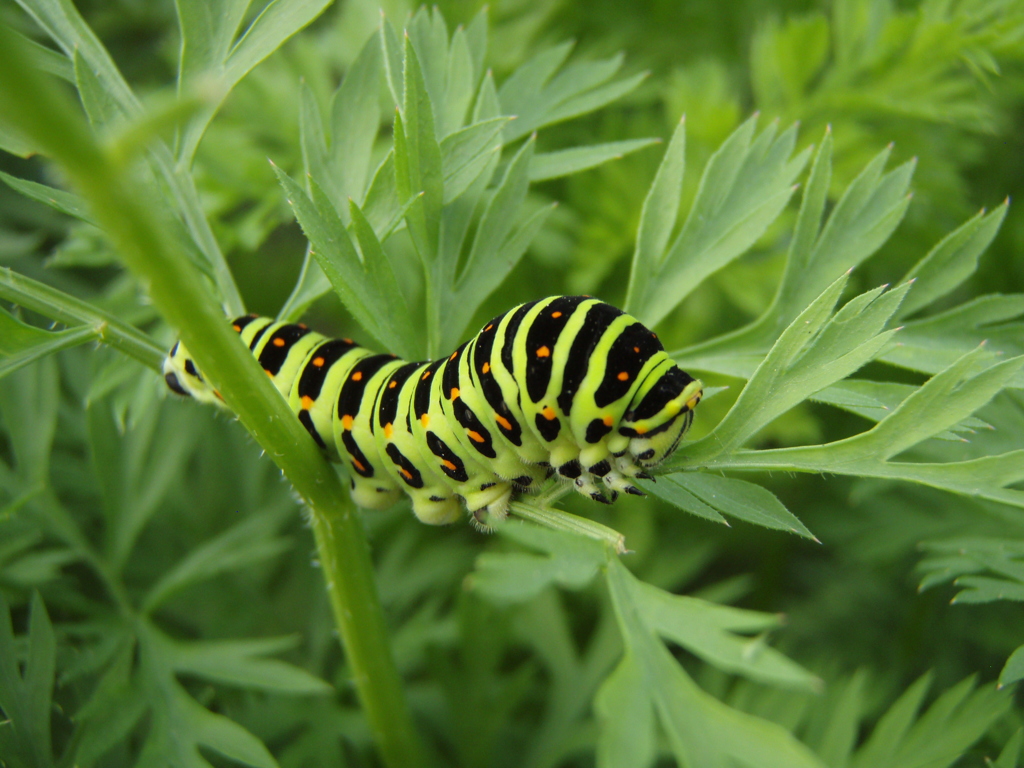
125	210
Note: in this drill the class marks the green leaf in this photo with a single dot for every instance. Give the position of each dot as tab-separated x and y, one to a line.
649	683
934	343
591	100
802	250
520	93
860	223
947	398
116	706
537	96
355	122
1010	755
382	204
658	216
736	498
474	289
311	284
25	697
65	202
714	633
955	721
61	21
875	400
565	162
427	32
418	160
476	40
1013	671
461	80
213	731
29	399
988	477
967	561
64	308
101	106
465	154
340	159
314	141
501	240
391	47
340	262
842	729
566	559
864	217
669	489
240	546
487	105
484	269
22	344
46	59
701	730
242	663
745	186
276	23
816	350
107	92
952	260
209	48
786	58
13	142
381	272
894	725
207	33
981	589
136	469
627	738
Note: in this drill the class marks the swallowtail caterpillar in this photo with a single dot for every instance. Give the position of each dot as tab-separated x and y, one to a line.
567	385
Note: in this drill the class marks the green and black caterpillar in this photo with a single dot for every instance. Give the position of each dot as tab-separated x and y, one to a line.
567	385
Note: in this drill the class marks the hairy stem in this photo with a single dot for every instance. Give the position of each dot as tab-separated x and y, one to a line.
127	213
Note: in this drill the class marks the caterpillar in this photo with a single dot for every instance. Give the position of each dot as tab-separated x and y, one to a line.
567	385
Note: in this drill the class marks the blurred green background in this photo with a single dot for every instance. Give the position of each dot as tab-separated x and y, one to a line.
940	80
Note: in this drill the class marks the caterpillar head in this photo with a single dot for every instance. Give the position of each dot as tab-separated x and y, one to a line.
184	378
661	412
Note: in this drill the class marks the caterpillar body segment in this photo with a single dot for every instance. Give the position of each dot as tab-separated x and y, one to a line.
324	371
484	491
434	501
372	486
567	385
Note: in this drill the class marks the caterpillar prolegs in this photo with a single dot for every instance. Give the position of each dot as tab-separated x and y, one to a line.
567	385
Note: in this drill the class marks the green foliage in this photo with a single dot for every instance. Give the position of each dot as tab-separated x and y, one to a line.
27	700
188	627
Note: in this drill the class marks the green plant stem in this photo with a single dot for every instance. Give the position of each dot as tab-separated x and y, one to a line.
36	107
64	308
566	521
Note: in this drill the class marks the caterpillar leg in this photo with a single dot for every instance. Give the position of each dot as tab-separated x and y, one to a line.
605	466
529	478
370	494
626	465
588	484
493	497
494	510
616	481
435	510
